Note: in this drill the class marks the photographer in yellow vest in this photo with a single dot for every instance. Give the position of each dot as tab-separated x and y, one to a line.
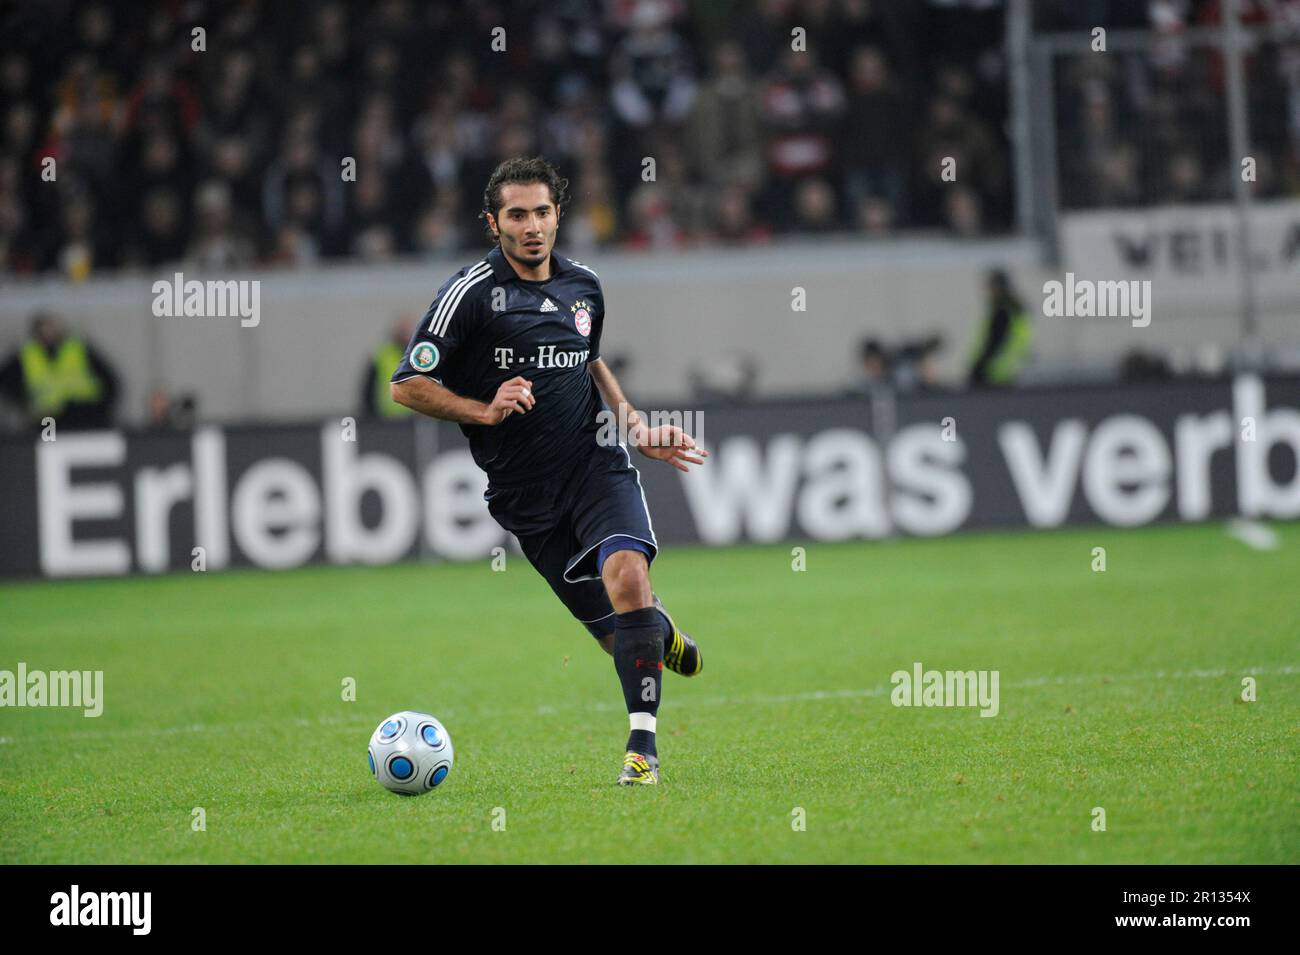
57	375
375	397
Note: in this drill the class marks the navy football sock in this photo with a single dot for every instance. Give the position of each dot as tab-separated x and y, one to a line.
639	663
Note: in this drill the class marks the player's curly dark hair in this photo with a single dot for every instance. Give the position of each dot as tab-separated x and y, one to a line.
522	171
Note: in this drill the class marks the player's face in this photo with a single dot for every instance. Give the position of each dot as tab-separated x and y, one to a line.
527	222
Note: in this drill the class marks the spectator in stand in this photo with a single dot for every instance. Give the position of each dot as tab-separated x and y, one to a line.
976	159
815	207
733	220
803	104
726	133
652	220
219	242
875	217
654	81
874	137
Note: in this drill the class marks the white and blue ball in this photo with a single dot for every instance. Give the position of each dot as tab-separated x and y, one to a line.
410	753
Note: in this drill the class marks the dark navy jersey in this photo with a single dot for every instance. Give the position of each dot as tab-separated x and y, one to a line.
485	326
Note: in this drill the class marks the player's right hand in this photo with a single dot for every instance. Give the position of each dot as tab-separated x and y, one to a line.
513	395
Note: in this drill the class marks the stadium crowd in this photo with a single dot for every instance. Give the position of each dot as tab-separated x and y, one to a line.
1148	125
233	154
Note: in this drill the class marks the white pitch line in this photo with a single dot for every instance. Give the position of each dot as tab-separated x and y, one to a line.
1030	683
552	709
1254	534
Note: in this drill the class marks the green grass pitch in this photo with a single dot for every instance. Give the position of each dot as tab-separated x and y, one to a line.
1120	690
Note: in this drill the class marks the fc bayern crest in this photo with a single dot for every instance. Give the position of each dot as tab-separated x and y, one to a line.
582	318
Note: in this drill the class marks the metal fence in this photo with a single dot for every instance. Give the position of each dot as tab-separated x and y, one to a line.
1135	118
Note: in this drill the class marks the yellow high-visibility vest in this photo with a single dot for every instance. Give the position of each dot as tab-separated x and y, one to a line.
53	382
387	357
1006	363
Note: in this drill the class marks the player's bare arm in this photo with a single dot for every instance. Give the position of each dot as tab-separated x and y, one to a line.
665	443
437	401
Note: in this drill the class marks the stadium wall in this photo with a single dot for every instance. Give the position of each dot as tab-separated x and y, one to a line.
672	312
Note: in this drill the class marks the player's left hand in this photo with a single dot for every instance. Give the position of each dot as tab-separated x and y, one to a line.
669	443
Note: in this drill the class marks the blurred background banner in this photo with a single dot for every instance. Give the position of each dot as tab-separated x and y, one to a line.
114	502
1189	250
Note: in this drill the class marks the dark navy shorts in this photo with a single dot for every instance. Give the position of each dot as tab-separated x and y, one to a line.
561	522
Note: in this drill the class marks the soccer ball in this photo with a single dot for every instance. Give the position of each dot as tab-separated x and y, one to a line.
410	753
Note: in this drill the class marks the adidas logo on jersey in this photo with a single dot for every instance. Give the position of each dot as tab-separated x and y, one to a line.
549	306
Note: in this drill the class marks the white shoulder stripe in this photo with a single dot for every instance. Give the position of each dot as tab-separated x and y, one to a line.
436	324
443	312
581	266
446	320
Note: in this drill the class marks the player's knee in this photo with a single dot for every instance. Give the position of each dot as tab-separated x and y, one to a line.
627	579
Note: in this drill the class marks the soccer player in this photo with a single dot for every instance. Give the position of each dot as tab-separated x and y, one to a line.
510	349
